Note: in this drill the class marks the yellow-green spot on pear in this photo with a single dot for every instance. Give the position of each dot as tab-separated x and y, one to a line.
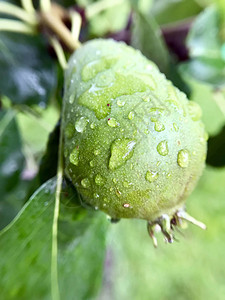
90	70
183	158
121	151
74	156
99	99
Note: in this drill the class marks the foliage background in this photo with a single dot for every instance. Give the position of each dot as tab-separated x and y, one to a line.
186	38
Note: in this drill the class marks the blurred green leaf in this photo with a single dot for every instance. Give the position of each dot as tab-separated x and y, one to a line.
211	71
193	268
203	38
146	36
11	156
25	61
205	47
110	20
212	115
170	11
26	249
142	5
35	126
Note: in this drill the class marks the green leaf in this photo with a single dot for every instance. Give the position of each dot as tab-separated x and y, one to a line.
203	39
146	36
26	62
111	19
210	71
32	259
142	5
11	156
213	116
205	47
166	12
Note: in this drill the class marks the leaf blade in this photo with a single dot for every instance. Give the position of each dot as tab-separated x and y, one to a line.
31	235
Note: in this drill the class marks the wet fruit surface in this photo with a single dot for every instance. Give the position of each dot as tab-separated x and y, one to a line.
134	145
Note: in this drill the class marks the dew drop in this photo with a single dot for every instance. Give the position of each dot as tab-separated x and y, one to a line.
99	180
120	103
126	205
92	163
146	98
151	176
96	152
96	196
85	183
92	126
115	180
175	127
113	123
131	115
168	175
121	151
162	148
71	98
74	156
81	124
183	158
159	127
